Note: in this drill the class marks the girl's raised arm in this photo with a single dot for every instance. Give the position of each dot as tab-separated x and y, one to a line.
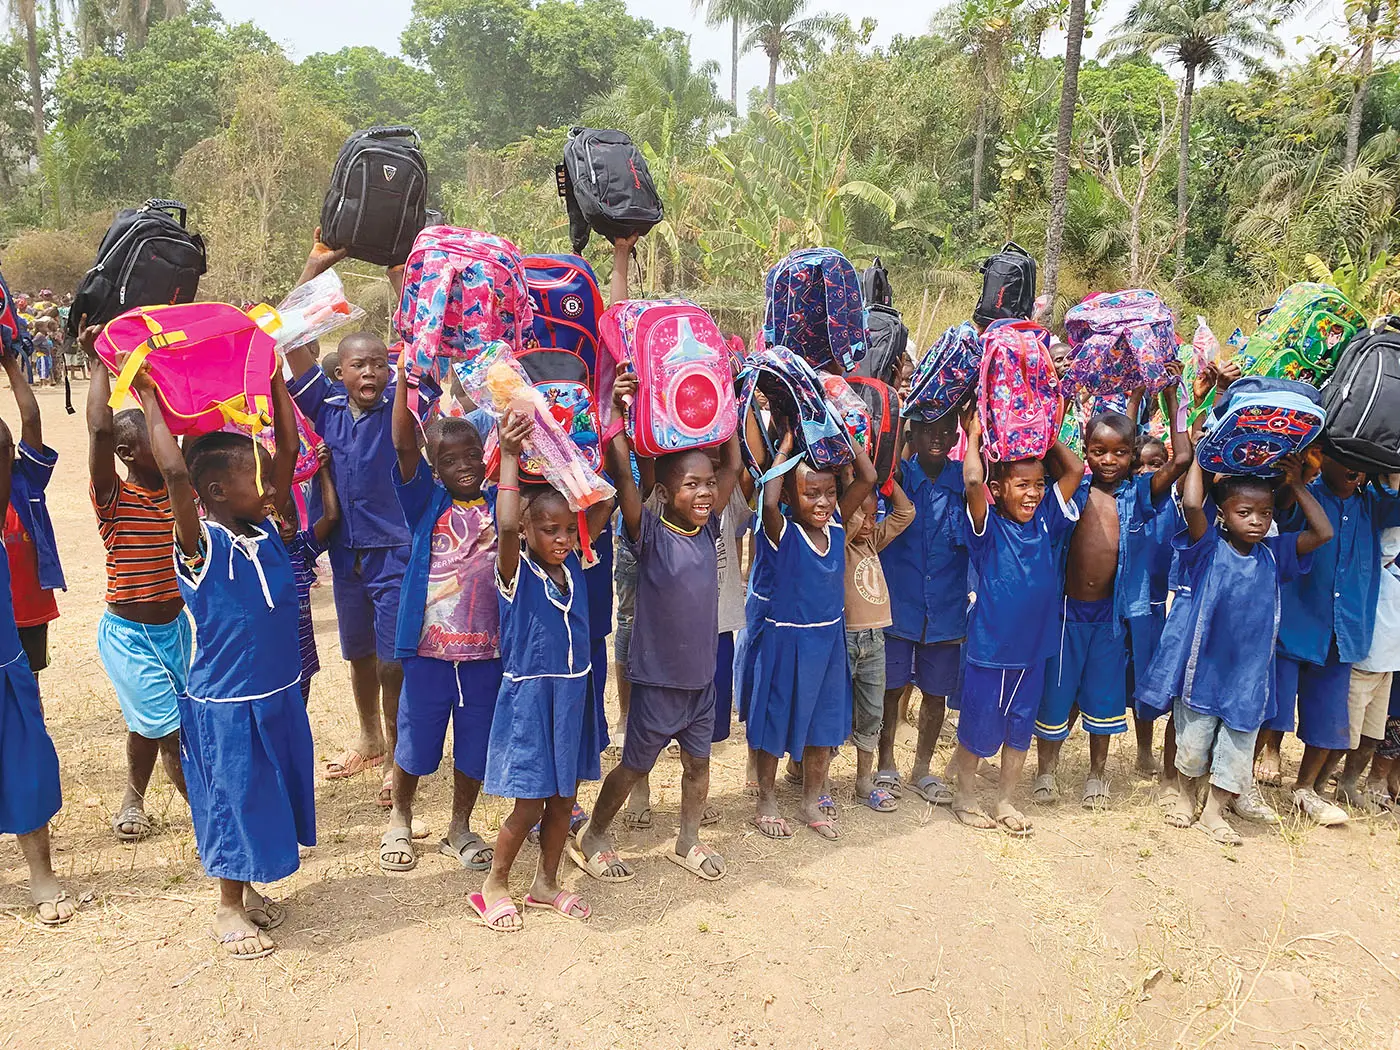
171	462
515	428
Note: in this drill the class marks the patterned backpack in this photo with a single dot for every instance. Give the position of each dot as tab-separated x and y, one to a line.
794	392
685	393
1302	336
1018	399
1258	421
882	405
462	291
849	407
566	303
1121	341
814	308
564	381
945	375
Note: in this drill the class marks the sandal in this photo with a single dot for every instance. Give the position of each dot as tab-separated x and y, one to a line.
1095	793
469	852
385	797
710	816
889	780
53	902
578	817
1223	835
772	827
350	763
272	913
563	903
1044	790
694	862
492	917
638	821
397	842
822	827
975	818
227	940
827	805
135	816
933	790
880	800
1015	824
601	864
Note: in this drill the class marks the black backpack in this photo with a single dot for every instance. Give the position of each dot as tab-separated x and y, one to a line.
889	339
875	284
1362	401
376	204
1008	286
146	258
606	186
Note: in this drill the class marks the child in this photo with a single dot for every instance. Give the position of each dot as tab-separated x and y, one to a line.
801	702
142	638
1015	543
245	740
1216	658
304	547
1107	583
449	631
29	786
867	617
544	739
330	365
30	545
1328	620
675	639
926	569
369	551
1368	698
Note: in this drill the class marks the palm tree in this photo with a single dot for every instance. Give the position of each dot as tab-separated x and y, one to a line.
1366	30
1064	131
23	13
778	28
1206	38
717	13
665	101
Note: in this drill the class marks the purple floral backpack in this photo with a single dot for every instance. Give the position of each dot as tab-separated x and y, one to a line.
1121	341
814	308
945	375
1018	400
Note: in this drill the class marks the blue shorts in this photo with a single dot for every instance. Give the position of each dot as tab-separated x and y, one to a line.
935	667
658	714
1320	691
367	585
724	687
1091	670
149	665
998	707
435	691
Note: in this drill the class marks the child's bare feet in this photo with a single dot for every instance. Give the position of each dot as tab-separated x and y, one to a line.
51	900
1147	765
1269	769
239	936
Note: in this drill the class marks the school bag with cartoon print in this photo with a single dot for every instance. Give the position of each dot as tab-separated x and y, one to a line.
1018	397
1302	335
566	302
882	405
1258	421
685	392
947	372
794	392
813	306
1121	341
463	291
565	382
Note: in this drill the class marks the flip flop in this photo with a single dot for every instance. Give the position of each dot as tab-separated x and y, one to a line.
563	903
397	842
131	815
880	800
350	763
472	846
54	902
1095	793
578	817
694	862
933	790
975	818
772	827
385	798
1172	819
1223	835
821	827
710	816
1268	778
638	821
1044	790
598	864
236	937
491	917
1016	825
274	912
889	780
827	805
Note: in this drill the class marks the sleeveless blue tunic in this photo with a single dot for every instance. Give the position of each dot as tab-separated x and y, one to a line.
245	742
802	684
544	737
29	790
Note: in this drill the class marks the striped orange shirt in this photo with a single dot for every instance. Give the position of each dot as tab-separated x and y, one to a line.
138	530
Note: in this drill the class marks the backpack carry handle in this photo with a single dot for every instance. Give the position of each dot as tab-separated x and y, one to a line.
165	204
1388	321
392	131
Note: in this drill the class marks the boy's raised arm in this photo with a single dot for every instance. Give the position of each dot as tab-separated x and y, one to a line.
622	259
629	500
404	429
171	462
1182	452
286	437
1319	526
974	474
102	449
773	521
31	424
1193	502
731	468
330	499
861	485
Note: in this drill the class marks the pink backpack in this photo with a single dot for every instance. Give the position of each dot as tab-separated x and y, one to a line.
1121	341
1018	398
462	291
685	397
212	363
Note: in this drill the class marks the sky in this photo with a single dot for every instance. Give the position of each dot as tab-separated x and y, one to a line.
304	27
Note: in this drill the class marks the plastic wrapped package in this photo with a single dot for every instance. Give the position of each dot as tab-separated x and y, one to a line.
312	310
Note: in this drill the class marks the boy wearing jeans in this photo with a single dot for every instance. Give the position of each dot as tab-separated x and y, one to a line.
867	616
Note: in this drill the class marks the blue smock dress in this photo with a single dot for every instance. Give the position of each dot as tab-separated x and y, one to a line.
755	611
29	791
245	742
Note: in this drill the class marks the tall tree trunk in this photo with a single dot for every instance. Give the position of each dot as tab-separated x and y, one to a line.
734	67
773	79
56	28
31	58
979	152
1363	84
1183	162
1064	133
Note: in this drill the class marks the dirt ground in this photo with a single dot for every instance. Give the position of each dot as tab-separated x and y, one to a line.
1106	930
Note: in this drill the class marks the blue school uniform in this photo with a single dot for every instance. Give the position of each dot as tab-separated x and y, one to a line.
245	742
925	566
30	476
802	684
759	594
29	787
1218	646
1145	632
543	737
598	582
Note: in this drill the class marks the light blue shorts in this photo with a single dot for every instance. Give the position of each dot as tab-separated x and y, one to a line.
1205	744
149	665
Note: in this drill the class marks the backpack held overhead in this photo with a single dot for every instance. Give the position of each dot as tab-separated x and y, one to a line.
376	203
606	186
814	308
889	341
875	284
882	406
946	374
1008	286
566	302
1121	341
1302	336
147	258
794	393
685	392
1257	422
1362	401
564	382
1019	395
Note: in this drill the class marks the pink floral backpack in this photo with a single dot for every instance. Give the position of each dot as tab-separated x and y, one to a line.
1018	399
1121	341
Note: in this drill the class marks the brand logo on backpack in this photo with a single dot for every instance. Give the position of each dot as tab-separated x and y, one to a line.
571	306
636	178
389	172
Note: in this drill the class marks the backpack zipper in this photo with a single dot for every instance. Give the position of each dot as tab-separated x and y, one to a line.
102	263
131	262
1375	392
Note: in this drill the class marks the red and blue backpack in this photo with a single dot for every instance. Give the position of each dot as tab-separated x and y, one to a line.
567	304
814	308
14	333
1019	394
793	391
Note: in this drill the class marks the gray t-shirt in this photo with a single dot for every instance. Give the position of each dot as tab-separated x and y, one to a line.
675	632
728	549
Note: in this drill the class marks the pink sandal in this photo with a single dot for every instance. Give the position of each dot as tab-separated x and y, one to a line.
564	903
491	917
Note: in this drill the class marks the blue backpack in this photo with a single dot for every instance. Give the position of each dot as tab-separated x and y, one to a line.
814	308
794	391
1257	422
564	293
945	375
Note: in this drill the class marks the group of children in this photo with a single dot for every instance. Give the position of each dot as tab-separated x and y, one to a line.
1096	583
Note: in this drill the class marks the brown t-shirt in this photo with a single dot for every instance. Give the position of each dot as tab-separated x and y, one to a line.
867	597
